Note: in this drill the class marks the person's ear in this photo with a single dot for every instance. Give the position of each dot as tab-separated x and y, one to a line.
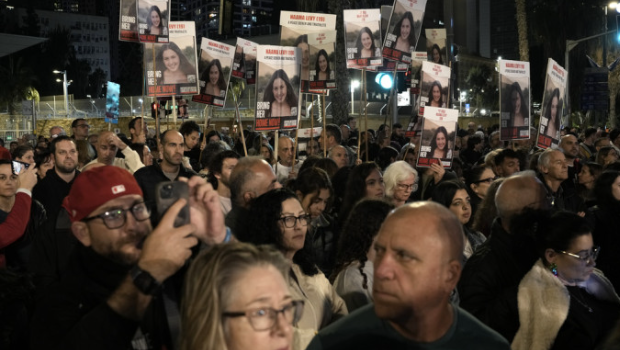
299	195
473	187
454	269
247	197
551	256
81	232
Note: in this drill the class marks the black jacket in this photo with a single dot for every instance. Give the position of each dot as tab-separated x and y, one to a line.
51	191
606	234
490	279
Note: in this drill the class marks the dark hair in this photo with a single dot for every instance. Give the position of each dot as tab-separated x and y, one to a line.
358	42
221	83
148	17
333	130
291	98
589	132
386	156
310	162
212	133
603	152
613	134
75	122
445	191
55	141
311	181
188	127
42	157
436	47
132	123
184	64
595	169
328	165
316	65
473	175
556	94
473	140
443	130
512	88
407	15
21	150
215	165
430	93
487	210
602	188
301	39
139	148
359	230
506	153
356	187
210	151
261	227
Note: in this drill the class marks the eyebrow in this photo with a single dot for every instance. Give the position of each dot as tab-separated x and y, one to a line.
266	299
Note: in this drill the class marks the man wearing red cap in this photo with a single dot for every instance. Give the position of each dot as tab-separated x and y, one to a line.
105	298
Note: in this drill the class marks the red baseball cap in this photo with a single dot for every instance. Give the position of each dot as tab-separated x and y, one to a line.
95	187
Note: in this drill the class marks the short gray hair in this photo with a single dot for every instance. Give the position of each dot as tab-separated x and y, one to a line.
396	172
545	157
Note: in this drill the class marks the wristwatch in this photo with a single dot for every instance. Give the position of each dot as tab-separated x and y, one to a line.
144	281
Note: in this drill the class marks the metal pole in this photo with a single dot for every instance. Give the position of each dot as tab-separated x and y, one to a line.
64	89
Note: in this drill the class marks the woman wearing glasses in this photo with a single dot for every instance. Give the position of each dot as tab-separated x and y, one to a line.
453	195
478	179
401	180
236	297
278	218
563	301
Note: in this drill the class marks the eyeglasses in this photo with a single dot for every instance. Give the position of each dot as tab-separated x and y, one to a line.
262	319
116	218
83	126
487	180
590	256
290	221
405	187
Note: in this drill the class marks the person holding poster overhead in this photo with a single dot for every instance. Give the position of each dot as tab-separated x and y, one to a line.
439	144
322	66
366	45
552	115
155	23
214	78
435	96
436	54
173	64
518	110
404	31
280	94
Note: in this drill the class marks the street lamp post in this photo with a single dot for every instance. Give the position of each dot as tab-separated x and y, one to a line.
354	85
64	88
463	96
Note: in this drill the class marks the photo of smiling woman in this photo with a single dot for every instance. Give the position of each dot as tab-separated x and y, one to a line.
175	68
435	96
516	105
439	144
552	113
365	45
281	95
323	71
403	30
155	22
213	78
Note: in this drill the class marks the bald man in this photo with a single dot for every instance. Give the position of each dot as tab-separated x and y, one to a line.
488	287
417	264
284	167
107	147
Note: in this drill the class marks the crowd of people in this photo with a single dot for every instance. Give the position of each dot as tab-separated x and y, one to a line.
513	247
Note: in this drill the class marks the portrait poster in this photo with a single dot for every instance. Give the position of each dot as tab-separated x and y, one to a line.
362	30
215	65
553	101
438	137
322	61
244	62
416	70
404	30
514	96
436	46
278	87
308	141
174	70
153	21
128	21
414	128
112	102
182	107
434	86
296	30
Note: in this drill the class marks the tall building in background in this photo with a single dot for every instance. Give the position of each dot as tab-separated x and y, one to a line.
252	17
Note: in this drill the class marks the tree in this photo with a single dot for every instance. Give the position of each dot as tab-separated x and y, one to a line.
521	14
96	81
17	84
340	96
480	81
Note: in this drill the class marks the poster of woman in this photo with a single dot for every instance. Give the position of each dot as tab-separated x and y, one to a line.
363	38
301	29
215	66
515	100
128	23
323	61
435	86
174	70
438	137
278	87
153	20
553	100
403	30
244	62
436	45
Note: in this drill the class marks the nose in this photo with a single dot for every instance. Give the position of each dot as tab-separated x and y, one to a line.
282	326
383	268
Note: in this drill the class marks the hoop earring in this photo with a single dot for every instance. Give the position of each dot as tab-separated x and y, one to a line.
554	269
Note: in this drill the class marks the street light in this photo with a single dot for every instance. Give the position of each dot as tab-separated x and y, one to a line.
354	85
64	88
463	96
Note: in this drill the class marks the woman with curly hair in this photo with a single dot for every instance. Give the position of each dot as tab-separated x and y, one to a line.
173	64
278	218
404	32
365	45
213	78
353	273
280	94
323	72
364	181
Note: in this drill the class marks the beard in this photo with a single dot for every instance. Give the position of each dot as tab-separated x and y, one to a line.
66	169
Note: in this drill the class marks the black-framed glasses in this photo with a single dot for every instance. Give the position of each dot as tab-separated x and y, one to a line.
264	318
83	126
290	221
592	255
115	218
487	180
405	187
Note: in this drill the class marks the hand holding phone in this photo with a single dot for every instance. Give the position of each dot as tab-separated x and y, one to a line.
168	193
27	177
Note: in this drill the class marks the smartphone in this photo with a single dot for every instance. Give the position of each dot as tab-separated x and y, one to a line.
18	166
167	193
